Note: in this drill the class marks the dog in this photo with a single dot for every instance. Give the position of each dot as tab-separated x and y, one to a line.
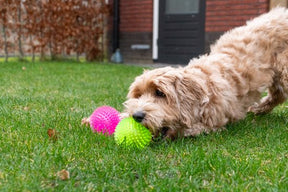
216	88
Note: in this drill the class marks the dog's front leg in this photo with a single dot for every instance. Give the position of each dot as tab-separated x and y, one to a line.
172	134
124	115
197	129
85	121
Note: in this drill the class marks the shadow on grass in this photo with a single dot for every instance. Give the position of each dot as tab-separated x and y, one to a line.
252	127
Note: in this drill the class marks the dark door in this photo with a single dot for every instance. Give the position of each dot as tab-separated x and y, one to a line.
181	30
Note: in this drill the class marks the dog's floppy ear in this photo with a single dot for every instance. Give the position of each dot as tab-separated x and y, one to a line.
192	98
191	91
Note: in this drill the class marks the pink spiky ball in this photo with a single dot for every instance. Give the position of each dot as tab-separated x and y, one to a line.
104	120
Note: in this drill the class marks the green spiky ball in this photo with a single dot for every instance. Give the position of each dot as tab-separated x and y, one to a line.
130	133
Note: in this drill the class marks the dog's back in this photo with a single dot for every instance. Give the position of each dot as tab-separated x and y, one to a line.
263	37
259	54
248	60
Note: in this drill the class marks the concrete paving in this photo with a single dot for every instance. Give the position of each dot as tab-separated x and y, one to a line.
155	65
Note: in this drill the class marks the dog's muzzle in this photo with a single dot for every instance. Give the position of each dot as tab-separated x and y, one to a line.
139	116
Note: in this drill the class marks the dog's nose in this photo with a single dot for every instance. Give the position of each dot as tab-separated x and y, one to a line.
139	116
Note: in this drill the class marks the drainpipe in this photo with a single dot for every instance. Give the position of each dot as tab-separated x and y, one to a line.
116	57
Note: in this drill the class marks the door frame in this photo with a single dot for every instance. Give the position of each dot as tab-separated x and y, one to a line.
155	29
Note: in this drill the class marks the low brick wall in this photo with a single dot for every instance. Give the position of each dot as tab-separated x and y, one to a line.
136	47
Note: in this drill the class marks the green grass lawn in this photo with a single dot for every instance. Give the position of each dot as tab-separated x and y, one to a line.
252	155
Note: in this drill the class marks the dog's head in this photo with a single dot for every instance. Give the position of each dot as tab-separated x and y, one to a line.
165	100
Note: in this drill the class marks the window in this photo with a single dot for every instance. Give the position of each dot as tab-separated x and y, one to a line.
182	7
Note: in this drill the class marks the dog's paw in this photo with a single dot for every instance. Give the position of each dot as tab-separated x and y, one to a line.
258	110
123	115
253	108
169	134
164	134
85	121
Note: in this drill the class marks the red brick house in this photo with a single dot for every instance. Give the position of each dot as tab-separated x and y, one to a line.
173	31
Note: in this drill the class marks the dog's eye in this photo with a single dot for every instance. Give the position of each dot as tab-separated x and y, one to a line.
159	93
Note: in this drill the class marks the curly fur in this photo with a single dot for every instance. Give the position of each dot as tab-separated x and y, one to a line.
220	87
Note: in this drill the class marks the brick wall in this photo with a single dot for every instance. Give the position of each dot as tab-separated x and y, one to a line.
136	26
222	15
136	15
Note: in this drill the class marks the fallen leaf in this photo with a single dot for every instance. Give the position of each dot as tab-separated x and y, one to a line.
52	134
63	175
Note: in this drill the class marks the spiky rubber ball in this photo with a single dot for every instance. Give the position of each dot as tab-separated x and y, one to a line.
104	120
130	133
